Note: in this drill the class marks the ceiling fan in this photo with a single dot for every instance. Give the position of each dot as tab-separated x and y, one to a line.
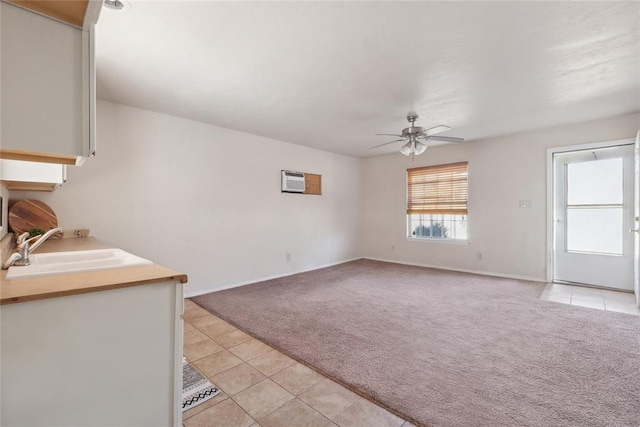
416	137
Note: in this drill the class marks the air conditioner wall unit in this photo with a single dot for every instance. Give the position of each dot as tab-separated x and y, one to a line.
292	182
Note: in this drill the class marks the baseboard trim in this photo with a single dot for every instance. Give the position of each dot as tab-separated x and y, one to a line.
277	276
439	267
462	270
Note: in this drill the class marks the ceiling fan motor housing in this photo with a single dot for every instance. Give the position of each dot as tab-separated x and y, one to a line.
412	130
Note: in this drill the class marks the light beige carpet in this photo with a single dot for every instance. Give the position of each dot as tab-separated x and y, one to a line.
449	349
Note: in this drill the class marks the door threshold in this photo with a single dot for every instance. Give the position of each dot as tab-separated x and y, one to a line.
588	285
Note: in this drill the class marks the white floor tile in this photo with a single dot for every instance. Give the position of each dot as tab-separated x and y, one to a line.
601	299
586	294
558	289
589	303
566	299
618	296
623	308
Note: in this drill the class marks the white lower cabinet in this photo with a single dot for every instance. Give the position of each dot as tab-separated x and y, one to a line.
109	358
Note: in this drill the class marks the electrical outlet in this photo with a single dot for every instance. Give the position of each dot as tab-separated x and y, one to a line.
288	256
81	232
479	255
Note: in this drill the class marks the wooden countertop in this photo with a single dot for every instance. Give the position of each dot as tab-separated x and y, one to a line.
36	288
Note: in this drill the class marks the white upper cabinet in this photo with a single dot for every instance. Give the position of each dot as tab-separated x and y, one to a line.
32	176
47	88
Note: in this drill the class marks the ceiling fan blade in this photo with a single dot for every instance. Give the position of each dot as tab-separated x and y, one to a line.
444	138
386	143
389	134
436	129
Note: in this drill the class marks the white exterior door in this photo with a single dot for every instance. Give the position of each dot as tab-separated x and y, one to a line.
593	217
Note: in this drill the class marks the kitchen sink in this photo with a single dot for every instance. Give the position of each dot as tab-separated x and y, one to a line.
50	264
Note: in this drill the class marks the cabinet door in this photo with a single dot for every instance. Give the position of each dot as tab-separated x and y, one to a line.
19	175
46	85
109	358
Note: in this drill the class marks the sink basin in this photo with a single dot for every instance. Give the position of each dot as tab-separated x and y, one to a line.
74	262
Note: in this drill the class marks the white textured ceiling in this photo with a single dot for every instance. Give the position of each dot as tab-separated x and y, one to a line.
331	75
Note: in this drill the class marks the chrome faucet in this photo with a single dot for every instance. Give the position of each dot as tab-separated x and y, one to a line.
25	249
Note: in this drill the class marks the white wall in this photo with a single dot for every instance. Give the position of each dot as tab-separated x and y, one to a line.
502	171
206	200
171	190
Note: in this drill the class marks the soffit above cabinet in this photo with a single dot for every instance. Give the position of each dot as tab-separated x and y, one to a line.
79	13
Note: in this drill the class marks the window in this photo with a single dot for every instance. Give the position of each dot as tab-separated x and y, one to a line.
437	202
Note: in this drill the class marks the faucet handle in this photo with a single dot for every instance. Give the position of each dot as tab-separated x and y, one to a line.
25	243
21	238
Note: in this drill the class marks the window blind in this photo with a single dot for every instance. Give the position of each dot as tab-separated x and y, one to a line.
440	189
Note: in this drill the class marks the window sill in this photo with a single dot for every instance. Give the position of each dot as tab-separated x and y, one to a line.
439	241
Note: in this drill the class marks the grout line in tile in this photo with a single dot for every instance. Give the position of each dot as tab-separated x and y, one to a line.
266	415
200	358
196	413
571	296
234	401
356	401
211	378
248	414
213	338
249	360
315	410
197	317
275	373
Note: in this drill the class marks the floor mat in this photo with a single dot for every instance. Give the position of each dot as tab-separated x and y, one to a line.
195	388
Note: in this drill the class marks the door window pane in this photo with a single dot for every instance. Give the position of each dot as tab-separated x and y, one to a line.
595	182
595	230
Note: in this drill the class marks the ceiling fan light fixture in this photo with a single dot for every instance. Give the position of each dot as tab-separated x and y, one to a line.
420	148
416	138
114	4
406	149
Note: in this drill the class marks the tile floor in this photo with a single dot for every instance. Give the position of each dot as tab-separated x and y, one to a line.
261	387
602	299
